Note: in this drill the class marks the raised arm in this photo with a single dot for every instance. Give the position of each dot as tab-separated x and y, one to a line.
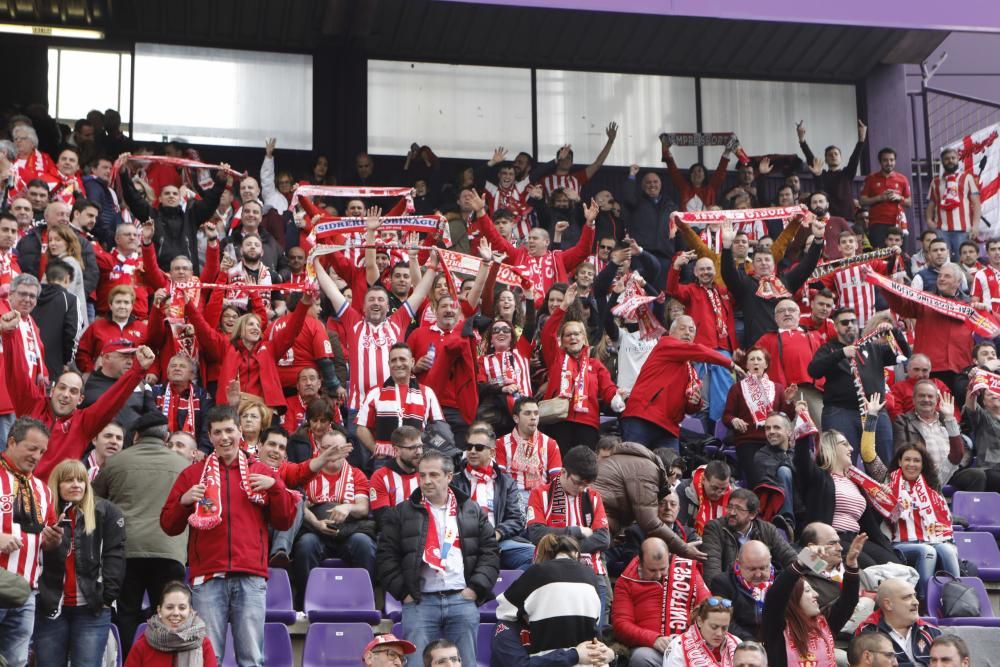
612	132
423	288
851	170
372	224
486	268
577	254
329	286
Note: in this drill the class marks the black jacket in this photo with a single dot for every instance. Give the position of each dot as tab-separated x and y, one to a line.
507	515
139	402
100	562
176	229
648	220
758	312
830	363
205	403
403	535
745	623
56	316
722	546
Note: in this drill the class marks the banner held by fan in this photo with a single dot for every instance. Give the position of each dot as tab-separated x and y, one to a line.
165	159
352	191
697	139
736	216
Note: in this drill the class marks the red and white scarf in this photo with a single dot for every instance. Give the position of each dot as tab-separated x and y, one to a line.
693	389
714	298
482	475
527	460
168	405
820	651
707	509
558	515
771	287
952	197
739	216
759	396
633	306
982	379
436	550
320	491
542	271
9	268
698	654
921	514
679	597
575	387
124	269
804	425
208	512
757	591
31	338
240	298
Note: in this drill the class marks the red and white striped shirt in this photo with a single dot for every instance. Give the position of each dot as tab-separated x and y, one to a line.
386	408
853	291
540	508
389	488
951	195
573	181
849	504
368	348
335	487
548	450
986	287
26	561
501	368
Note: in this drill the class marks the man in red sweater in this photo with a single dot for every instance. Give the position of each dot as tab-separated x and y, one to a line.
229	501
654	597
656	407
544	267
901	395
72	428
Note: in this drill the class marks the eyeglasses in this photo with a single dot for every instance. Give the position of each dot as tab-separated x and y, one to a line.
392	655
502	330
420	446
844	323
26	295
725	603
479	448
736	508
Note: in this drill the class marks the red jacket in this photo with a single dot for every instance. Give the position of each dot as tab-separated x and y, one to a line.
658	395
70	435
453	375
138	281
598	384
947	342
144	655
639	615
240	542
256	369
687	191
103	330
698	305
790	359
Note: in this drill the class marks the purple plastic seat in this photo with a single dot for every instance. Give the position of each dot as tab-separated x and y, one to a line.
279	598
340	595
948	490
334	562
138	632
335	644
980	509
397	631
484	644
488	612
721	431
981	549
693	424
393	608
118	642
986	617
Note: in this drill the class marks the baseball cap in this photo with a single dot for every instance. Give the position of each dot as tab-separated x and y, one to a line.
390	638
119	345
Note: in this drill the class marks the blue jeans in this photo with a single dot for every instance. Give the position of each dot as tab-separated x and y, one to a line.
77	635
6	421
282	540
785	479
927	559
16	626
954	241
516	555
602	592
237	601
449	616
848	422
311	549
719	381
636	429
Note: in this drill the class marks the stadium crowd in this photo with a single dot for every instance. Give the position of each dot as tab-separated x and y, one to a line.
208	373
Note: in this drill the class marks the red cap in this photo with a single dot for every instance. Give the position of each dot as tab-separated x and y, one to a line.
120	345
390	638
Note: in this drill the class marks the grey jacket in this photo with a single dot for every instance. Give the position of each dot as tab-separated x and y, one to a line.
722	545
138	480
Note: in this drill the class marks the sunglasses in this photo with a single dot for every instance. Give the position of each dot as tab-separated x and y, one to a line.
607	247
719	602
502	330
479	448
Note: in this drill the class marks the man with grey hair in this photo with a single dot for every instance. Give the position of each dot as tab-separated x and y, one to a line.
29	248
23	296
654	410
138	480
8	173
182	402
30	162
750	654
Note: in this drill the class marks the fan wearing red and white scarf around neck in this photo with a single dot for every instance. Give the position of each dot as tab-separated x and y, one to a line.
228	501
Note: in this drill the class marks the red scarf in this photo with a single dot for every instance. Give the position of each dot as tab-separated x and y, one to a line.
698	654
951	198
759	396
124	269
921	514
319	490
527	460
633	306
693	389
820	648
707	509
721	328
993	285
542	271
436	552
757	591
575	387
169	407
208	512
771	288
881	498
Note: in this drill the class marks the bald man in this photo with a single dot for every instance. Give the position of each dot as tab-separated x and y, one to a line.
901	395
898	616
654	597
746	582
654	409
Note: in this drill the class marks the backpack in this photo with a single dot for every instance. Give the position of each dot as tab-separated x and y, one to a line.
958	599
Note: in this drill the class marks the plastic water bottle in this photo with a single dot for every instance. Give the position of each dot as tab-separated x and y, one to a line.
431	353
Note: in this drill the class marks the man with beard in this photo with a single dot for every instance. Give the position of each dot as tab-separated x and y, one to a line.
953	203
835	362
272	250
820	306
835	180
392	484
252	270
819	205
746	581
772	463
886	193
986	284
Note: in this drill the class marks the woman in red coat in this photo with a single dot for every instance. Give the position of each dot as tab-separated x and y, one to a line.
245	356
175	635
575	376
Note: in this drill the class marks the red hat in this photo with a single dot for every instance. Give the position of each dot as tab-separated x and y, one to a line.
390	638
119	345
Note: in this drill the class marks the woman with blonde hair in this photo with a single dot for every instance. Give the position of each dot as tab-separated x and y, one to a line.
707	641
82	576
255	418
